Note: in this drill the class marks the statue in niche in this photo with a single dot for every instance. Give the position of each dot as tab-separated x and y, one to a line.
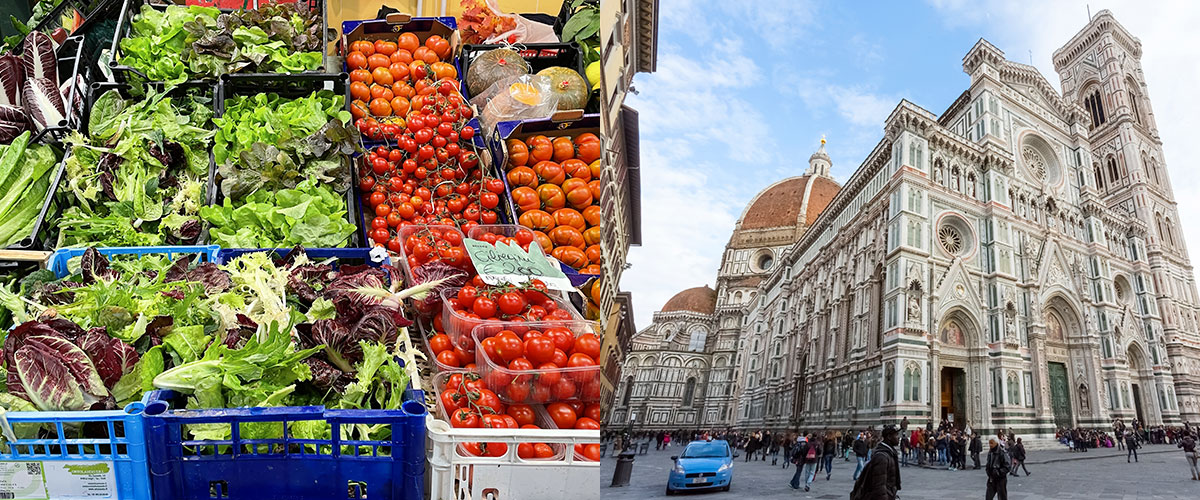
971	188
914	305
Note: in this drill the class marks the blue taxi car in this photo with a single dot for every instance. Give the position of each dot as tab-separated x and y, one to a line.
703	465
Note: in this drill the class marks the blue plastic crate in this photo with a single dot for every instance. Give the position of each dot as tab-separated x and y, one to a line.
113	456
286	467
59	259
365	255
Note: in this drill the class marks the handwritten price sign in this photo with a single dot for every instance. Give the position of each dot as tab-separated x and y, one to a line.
505	263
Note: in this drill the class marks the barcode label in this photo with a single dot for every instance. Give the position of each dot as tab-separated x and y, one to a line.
7	494
33	468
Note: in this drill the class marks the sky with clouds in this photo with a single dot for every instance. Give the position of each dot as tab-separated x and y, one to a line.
744	91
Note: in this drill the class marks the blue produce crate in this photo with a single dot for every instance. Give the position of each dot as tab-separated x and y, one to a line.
60	257
286	467
109	463
364	255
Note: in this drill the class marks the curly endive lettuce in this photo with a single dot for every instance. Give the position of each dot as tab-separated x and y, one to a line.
181	43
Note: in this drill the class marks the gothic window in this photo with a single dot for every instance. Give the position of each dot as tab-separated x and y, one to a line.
951	239
1034	162
1170	236
1113	175
697	340
628	391
1134	100
689	391
889	382
912	382
1095	106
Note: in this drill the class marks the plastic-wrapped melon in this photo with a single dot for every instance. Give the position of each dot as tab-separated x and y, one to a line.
568	85
493	66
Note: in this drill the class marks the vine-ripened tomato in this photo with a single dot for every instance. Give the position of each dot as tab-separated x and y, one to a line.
588	345
466	296
366	183
464	418
382	210
488	402
466	133
452	399
379	223
377	197
524	414
380	236
485	307
539	350
589	452
508	344
511	303
562	414
564	388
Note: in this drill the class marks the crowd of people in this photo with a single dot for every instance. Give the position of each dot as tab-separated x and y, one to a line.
878	455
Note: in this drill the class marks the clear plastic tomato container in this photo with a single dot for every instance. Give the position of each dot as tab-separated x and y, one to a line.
506	230
459	326
428	331
539	385
541	419
431	307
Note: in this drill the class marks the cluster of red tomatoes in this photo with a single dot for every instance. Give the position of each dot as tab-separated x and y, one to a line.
541	363
556	191
387	78
468	404
421	245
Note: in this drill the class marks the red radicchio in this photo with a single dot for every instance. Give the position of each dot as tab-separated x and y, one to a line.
433	271
12	74
13	121
57	375
349	302
37	55
15	339
112	357
43	102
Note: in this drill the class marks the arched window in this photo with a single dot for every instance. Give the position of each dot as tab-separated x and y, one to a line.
1134	100
912	382
628	391
689	390
1095	106
1113	174
1099	177
889	381
697	340
1170	236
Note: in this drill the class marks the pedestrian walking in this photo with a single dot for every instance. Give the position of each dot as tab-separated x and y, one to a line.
976	447
1131	444
1018	457
904	450
880	480
860	452
1188	443
806	465
830	447
798	455
997	471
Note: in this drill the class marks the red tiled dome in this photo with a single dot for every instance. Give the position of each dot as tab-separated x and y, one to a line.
779	205
701	299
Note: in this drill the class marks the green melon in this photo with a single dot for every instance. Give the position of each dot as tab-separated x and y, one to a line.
568	85
493	66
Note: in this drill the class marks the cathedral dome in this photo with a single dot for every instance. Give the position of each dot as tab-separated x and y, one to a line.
701	299
781	204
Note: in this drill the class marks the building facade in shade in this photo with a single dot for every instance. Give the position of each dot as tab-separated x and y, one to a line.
1016	262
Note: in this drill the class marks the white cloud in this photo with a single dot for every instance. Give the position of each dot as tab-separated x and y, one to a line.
1170	53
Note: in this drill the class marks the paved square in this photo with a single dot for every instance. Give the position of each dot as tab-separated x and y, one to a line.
1162	473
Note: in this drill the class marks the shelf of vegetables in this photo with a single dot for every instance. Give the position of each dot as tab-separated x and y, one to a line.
283	157
175	43
236	359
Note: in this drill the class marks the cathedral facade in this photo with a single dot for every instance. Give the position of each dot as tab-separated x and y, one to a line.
1015	262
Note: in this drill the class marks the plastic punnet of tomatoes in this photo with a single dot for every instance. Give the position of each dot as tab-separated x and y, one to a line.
464	403
391	81
428	253
476	303
446	356
540	361
510	233
554	185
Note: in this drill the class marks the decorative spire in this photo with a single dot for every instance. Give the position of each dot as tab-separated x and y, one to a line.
819	163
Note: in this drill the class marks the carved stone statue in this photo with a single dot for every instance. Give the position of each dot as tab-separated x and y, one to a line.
914	306
971	189
937	174
1031	252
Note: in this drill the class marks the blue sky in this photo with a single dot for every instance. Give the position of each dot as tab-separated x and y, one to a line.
745	89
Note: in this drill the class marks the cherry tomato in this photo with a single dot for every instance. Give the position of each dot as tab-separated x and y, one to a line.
562	414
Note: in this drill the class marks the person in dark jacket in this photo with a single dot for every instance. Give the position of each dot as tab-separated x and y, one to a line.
1131	444
799	452
1018	456
830	447
880	479
1188	443
997	471
976	447
861	449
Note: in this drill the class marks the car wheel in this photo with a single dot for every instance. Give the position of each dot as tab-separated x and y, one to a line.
727	485
670	491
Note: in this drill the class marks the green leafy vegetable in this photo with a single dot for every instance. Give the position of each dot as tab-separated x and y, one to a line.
24	180
181	43
312	215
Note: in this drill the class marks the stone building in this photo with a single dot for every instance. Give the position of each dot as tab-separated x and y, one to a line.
1015	262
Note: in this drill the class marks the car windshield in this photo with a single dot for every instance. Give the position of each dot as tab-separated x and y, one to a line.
706	450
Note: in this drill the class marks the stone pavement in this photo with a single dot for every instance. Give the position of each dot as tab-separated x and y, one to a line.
1162	473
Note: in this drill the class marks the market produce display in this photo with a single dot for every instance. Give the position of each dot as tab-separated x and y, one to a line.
391	81
138	177
181	43
555	189
283	166
539	361
257	331
25	171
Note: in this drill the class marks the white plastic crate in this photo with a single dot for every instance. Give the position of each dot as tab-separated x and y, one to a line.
452	475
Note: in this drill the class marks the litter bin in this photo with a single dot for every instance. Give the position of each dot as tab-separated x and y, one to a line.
624	469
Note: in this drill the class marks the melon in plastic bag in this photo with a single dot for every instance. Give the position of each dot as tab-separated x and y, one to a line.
493	66
571	88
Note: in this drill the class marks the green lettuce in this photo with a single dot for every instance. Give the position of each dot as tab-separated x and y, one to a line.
311	215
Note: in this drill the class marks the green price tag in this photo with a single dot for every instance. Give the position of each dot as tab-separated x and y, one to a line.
505	263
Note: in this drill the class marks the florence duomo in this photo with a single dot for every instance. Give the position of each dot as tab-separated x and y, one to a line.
1016	261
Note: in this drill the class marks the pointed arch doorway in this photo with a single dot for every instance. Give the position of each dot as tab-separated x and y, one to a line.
956	336
1137	379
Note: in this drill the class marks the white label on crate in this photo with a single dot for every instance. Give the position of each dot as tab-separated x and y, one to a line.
22	481
81	480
